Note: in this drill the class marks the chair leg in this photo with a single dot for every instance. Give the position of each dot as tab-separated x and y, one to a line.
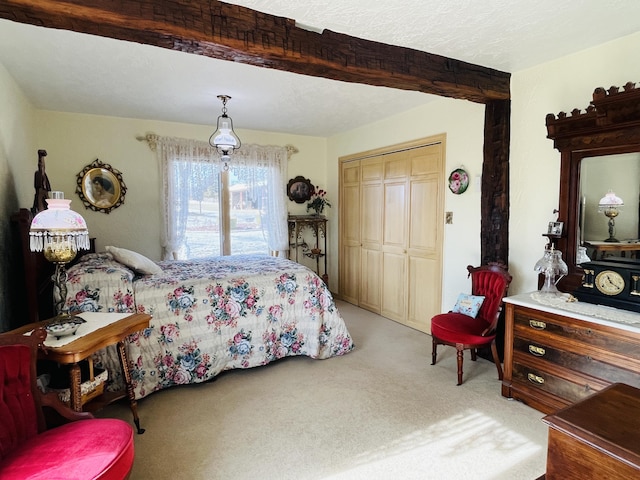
460	359
474	354
433	351
496	359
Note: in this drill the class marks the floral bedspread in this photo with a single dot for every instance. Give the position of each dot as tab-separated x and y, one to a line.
211	315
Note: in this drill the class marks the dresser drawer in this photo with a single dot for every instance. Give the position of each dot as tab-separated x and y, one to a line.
579	362
571	389
552	360
578	336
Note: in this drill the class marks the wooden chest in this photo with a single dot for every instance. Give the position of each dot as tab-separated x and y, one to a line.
553	359
596	438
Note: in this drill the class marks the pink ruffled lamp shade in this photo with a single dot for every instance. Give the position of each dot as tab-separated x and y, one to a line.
58	231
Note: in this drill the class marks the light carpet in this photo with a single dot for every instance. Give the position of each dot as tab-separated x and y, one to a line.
380	412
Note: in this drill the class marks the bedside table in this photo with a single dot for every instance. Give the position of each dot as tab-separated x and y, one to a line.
100	331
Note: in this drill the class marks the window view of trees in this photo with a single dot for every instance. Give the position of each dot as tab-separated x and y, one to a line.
245	210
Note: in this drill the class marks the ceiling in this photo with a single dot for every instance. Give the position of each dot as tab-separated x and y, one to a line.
71	72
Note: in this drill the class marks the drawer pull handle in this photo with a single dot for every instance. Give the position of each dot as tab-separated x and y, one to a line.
535	379
537	351
538	325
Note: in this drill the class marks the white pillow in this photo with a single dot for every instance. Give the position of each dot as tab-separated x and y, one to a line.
135	261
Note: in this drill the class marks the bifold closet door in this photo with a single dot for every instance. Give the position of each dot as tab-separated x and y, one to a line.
394	229
349	224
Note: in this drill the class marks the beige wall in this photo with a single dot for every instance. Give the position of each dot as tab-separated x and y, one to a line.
74	141
463	123
561	85
18	162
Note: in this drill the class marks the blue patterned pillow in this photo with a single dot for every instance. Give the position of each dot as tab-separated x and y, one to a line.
468	304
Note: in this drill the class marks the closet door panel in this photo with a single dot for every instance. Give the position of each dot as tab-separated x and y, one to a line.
396	166
424	292
424	228
349	221
394	286
395	204
371	280
426	232
350	270
371	216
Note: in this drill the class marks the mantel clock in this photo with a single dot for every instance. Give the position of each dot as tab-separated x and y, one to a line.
614	282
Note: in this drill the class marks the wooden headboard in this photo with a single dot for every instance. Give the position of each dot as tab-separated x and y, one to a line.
36	296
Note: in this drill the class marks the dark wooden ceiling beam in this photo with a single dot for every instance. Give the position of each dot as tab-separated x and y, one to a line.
239	34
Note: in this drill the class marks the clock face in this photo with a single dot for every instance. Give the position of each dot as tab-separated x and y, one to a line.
609	282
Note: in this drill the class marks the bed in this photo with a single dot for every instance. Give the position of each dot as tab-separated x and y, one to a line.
210	315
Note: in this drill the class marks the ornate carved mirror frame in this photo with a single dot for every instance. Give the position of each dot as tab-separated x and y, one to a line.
610	125
100	187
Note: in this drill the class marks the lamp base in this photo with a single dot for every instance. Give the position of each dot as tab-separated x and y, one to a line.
549	285
612	229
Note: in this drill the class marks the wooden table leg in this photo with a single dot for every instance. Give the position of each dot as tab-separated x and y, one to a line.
124	362
75	397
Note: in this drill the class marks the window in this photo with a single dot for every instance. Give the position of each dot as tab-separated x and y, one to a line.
208	211
241	217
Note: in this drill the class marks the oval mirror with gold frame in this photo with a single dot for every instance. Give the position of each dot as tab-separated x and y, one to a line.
100	187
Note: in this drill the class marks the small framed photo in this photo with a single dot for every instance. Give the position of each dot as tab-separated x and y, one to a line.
300	189
555	228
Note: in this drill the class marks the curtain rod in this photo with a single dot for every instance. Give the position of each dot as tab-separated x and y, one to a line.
150	138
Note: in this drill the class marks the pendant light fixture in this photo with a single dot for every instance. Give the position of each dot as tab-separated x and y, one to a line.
224	139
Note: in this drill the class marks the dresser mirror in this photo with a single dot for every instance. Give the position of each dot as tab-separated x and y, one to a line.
600	142
619	174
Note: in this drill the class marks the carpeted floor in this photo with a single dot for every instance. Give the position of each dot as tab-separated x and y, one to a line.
380	412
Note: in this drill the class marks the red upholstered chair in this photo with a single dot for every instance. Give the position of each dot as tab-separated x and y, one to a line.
464	332
90	448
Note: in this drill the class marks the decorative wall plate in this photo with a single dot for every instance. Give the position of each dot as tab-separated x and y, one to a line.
458	181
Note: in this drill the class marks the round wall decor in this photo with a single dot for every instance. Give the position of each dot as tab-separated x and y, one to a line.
459	181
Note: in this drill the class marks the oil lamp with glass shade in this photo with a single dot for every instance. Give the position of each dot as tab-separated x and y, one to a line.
224	139
59	232
553	268
610	205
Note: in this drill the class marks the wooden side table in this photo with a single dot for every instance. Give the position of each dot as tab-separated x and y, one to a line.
318	226
598	437
112	333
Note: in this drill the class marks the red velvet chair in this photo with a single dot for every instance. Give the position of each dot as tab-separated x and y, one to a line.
90	448
464	332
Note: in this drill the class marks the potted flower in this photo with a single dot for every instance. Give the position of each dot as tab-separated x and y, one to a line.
318	201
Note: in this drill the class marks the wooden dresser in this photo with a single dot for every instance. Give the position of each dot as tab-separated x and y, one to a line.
557	353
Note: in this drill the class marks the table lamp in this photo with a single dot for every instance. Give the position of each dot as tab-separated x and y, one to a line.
552	265
610	205
59	232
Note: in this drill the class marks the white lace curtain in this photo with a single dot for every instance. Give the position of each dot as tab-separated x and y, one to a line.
181	159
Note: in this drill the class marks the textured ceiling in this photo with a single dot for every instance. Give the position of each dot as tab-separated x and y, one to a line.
67	71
